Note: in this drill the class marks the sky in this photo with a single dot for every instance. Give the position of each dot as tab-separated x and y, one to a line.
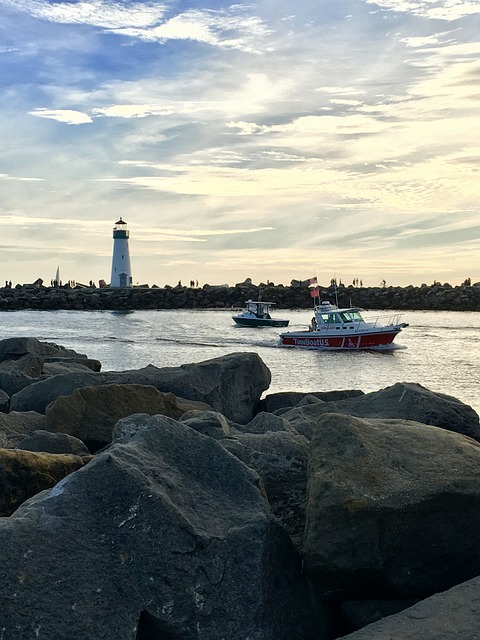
271	140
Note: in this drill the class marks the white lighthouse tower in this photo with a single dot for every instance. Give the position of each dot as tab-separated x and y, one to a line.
121	269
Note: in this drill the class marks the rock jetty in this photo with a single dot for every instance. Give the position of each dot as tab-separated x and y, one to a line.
296	296
183	503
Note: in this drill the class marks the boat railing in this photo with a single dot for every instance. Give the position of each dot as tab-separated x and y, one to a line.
384	320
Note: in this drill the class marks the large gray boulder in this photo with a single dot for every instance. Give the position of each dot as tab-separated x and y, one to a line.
16	425
451	615
393	509
165	536
405	400
90	413
280	458
231	384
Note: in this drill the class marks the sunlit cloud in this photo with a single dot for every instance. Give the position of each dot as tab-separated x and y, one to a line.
67	116
110	15
433	9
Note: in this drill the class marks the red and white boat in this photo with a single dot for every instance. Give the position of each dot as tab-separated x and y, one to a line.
334	328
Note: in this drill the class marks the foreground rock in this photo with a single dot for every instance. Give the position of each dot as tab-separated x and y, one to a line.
90	413
231	384
452	615
166	536
24	474
393	510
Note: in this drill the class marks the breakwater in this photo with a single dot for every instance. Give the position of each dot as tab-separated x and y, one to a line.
436	297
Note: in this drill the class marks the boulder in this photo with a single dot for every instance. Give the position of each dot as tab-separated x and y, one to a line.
405	400
210	423
231	384
451	615
13	381
25	473
15	425
31	364
48	442
280	459
90	413
4	402
17	348
393	508
37	396
165	536
288	399
58	367
357	614
264	422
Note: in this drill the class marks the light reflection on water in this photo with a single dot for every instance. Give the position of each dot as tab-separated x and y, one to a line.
440	350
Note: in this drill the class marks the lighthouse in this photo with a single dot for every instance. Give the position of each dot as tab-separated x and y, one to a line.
121	269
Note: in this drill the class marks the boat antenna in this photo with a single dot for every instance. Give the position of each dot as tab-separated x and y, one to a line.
335	286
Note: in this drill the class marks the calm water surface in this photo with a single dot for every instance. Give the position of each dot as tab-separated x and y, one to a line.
440	350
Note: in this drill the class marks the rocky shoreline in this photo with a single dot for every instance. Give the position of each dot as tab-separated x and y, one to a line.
183	503
437	297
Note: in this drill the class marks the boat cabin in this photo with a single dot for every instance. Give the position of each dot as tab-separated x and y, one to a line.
259	309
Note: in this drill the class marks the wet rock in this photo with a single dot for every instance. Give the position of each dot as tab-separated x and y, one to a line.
391	512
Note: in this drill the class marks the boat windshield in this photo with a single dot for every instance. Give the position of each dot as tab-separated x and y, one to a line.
258	309
340	316
351	316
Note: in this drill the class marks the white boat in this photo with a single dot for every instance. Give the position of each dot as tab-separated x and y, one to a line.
334	328
257	314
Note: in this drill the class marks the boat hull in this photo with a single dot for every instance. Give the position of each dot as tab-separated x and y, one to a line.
321	340
259	322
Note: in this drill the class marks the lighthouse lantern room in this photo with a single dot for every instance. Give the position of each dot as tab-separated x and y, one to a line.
121	268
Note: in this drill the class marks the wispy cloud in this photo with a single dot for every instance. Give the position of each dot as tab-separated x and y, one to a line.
67	116
434	9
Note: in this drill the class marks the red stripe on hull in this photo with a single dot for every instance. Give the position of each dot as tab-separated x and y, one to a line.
359	341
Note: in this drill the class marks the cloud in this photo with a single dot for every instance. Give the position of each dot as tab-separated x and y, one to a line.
230	28
67	116
448	10
109	15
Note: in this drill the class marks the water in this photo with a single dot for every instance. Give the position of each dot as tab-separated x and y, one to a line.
440	350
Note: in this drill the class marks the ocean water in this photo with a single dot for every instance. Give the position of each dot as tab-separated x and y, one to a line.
439	349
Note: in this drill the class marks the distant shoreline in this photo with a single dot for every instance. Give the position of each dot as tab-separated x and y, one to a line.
436	297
